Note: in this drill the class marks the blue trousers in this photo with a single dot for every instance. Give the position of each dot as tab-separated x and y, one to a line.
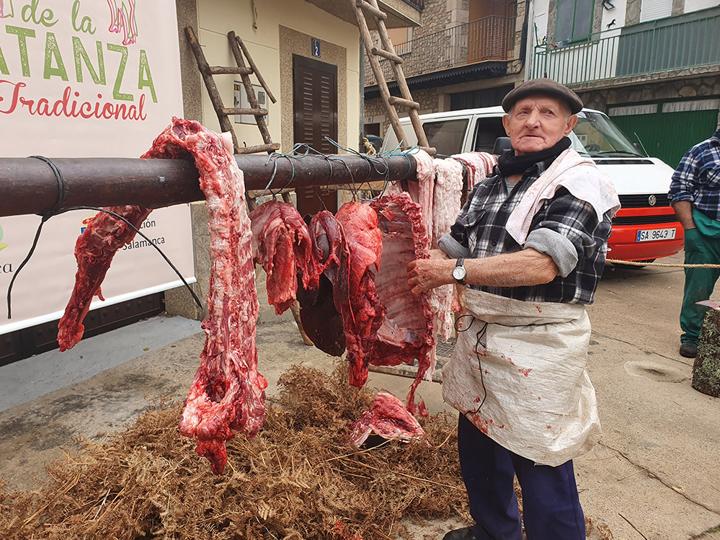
551	506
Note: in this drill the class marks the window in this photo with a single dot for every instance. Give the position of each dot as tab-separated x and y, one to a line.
401	39
446	136
487	131
574	20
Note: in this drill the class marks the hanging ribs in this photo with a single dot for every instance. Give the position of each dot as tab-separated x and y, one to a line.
228	392
406	332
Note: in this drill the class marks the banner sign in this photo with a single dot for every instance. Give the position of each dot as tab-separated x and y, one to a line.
87	78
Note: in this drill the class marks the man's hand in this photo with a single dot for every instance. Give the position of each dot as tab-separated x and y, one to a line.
683	210
426	274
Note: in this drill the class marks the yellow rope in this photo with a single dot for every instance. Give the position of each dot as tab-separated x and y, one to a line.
662	265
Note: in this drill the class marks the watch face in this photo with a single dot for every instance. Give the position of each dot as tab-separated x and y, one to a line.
458	273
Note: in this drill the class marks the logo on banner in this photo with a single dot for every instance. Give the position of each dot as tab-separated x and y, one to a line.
95	79
2	246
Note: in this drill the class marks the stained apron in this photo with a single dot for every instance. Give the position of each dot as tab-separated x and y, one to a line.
519	374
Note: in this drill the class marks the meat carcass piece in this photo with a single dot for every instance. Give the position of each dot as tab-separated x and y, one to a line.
480	165
228	392
354	291
282	246
422	189
320	318
406	332
104	235
446	208
388	418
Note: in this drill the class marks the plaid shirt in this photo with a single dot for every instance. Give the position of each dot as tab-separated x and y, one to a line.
481	229
697	178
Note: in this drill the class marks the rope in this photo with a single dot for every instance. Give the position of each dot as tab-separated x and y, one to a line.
662	265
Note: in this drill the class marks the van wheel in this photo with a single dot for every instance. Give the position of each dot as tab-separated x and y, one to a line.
632	266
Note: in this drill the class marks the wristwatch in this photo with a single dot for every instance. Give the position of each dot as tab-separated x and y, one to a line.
459	272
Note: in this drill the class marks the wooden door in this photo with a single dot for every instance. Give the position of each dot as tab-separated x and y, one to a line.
315	117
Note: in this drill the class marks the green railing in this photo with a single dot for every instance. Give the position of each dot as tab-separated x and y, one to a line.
661	46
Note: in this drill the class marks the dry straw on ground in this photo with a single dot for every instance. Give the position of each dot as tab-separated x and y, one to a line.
299	479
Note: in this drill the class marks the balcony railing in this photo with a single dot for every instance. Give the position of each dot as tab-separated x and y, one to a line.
489	38
632	52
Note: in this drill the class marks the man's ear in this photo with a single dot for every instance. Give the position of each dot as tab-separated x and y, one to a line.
571	123
506	124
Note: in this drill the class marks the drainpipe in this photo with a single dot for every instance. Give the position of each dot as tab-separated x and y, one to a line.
527	54
361	71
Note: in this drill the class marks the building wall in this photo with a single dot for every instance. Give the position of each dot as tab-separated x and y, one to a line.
281	28
273	33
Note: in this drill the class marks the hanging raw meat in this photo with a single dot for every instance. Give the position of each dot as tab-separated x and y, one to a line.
104	235
320	317
354	291
406	330
282	246
228	392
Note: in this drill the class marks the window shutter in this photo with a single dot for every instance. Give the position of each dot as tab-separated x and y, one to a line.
655	9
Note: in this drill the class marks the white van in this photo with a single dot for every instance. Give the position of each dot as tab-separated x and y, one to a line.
644	229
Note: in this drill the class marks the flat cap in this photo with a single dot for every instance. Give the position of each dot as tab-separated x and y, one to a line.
545	87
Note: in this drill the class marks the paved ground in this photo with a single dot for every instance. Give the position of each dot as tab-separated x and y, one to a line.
654	475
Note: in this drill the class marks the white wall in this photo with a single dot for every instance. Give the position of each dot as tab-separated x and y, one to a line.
696	5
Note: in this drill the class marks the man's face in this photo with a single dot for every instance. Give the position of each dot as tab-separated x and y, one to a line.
537	123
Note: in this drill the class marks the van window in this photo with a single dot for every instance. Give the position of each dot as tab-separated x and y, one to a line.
446	136
487	130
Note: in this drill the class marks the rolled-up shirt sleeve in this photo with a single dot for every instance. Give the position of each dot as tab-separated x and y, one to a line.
684	179
566	229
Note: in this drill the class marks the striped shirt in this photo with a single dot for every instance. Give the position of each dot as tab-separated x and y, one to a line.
697	178
565	228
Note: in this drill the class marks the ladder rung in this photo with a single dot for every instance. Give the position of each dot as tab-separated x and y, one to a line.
387	55
222	70
404	102
238	111
259	148
372	9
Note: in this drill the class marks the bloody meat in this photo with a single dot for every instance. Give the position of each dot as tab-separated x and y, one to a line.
228	392
388	418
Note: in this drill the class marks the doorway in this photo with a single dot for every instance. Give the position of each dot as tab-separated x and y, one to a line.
315	117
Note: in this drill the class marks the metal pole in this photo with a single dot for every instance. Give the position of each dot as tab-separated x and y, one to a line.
28	186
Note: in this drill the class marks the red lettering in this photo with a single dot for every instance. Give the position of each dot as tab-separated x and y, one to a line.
15	98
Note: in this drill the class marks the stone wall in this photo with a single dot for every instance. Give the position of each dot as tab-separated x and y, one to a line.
698	87
429	100
441	42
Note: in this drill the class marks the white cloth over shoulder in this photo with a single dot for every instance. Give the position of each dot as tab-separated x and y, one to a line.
526	386
579	175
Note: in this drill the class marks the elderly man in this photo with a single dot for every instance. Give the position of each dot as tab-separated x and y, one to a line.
527	252
695	195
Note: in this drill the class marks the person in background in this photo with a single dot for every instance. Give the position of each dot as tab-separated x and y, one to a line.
695	196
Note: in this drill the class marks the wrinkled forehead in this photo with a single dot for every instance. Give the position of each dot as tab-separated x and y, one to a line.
541	101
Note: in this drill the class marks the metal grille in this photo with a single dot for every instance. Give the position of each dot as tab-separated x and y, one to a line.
417	4
643	201
644	220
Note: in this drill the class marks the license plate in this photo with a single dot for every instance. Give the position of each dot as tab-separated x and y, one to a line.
653	235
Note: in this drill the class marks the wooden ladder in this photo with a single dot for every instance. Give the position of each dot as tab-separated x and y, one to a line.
388	53
243	69
241	53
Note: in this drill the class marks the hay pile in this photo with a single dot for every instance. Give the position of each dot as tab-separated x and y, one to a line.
297	479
